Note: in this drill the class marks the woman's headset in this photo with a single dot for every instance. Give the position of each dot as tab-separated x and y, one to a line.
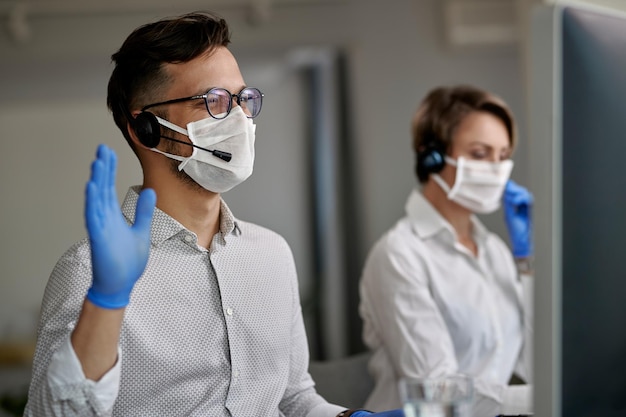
430	159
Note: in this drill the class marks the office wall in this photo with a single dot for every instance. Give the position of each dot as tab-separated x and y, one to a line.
52	113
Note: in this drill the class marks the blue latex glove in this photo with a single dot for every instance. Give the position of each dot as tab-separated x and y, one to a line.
390	413
119	252
517	203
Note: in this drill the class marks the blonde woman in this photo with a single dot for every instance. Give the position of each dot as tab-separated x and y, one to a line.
440	294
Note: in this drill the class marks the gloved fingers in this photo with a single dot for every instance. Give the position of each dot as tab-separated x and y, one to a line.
522	209
515	194
144	211
93	212
519	209
93	195
110	162
100	167
101	204
519	198
511	186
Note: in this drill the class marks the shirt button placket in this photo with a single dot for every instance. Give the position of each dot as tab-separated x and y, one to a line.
235	369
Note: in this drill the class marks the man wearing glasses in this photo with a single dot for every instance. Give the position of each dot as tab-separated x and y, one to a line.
214	326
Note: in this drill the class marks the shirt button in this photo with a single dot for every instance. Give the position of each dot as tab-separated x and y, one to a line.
188	238
229	311
236	373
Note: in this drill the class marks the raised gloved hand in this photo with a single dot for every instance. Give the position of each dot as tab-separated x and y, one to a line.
517	203
119	252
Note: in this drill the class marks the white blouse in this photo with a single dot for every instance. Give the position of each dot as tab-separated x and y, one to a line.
431	308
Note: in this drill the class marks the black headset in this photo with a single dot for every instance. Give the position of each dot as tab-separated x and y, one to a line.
147	129
430	159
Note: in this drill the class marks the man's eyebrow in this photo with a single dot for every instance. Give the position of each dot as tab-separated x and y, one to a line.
206	90
202	91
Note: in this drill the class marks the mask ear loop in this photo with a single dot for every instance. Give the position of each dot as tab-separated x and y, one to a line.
175	128
450	192
444	185
172	126
459	177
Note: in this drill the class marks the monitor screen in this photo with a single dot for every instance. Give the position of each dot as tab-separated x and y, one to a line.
578	150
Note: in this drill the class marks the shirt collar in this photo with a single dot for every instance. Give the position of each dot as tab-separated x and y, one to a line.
165	226
427	221
228	222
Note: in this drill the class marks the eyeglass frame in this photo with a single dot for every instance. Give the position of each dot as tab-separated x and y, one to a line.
206	102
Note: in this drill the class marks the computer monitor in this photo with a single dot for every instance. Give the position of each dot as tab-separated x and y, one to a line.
578	175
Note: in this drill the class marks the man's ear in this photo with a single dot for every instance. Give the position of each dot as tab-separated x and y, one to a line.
131	133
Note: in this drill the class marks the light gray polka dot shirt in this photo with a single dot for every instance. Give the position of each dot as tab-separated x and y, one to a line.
211	333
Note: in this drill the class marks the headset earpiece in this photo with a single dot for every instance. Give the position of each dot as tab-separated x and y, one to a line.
147	129
430	160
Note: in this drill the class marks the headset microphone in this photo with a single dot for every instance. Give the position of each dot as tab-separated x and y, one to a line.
148	131
226	156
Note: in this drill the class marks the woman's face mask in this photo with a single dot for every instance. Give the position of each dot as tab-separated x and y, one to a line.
478	185
234	134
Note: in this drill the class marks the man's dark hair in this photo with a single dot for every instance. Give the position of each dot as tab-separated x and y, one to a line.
138	77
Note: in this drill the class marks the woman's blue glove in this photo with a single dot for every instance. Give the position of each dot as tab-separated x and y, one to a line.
119	252
518	202
390	413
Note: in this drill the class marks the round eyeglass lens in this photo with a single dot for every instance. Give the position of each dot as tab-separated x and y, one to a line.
218	102
250	100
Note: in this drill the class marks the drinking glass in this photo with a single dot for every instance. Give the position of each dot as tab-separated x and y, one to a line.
449	396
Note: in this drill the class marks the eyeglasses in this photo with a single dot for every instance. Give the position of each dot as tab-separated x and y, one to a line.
219	101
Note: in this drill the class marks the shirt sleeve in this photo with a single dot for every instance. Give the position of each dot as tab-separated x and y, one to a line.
517	399
524	367
67	382
411	328
404	314
58	386
300	397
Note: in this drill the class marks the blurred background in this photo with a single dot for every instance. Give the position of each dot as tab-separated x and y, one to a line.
334	166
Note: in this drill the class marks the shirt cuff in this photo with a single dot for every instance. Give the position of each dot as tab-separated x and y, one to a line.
517	400
325	410
65	370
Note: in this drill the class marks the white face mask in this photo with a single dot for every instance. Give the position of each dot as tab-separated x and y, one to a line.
478	185
233	134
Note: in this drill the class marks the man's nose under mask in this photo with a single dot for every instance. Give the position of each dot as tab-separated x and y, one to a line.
235	134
